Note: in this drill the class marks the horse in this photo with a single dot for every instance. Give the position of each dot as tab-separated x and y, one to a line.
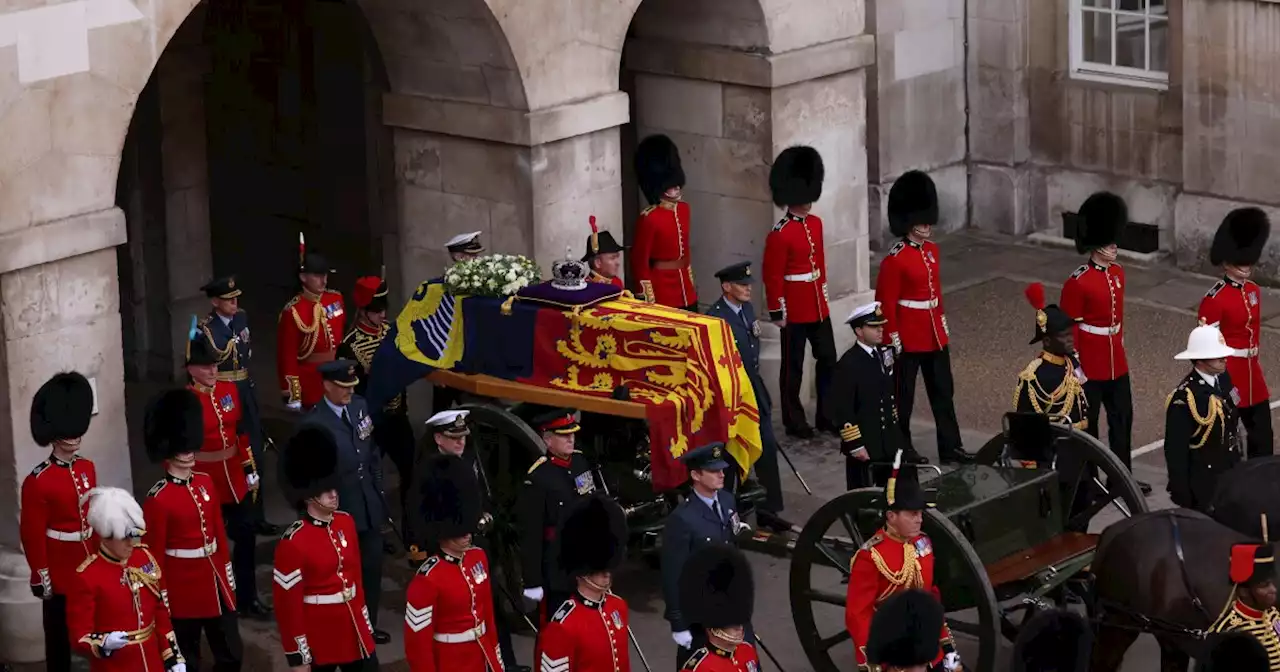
1246	493
1166	573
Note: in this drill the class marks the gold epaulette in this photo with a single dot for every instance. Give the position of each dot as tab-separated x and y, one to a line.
292	530
87	561
1029	373
155	489
289	306
330	291
537	463
648	210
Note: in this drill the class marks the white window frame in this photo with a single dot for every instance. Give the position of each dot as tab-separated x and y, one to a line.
1106	73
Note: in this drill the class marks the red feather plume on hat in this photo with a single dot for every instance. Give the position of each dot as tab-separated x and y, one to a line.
1035	295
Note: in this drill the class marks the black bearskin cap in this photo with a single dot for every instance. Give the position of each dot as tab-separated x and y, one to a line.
904	630
658	167
594	537
716	588
1056	640
796	176
451	498
200	351
913	199
1235	652
1100	220
173	424
309	464
1240	238
61	408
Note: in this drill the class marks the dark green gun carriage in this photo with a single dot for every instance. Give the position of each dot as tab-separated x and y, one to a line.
1008	536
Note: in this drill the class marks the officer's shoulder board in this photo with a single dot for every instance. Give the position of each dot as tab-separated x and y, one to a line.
41	467
1029	373
85	565
781	223
1080	271
289	306
898	247
428	565
292	530
696	659
872	542
1213	291
537	463
333	293
155	489
564	611
648	210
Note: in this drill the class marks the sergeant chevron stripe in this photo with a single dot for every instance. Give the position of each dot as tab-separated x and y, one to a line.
416	618
288	581
556	665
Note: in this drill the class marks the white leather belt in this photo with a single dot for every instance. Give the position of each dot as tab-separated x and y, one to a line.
332	598
193	553
1239	352
459	637
68	536
918	305
811	276
1100	331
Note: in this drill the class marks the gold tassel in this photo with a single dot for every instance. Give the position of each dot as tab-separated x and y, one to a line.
506	305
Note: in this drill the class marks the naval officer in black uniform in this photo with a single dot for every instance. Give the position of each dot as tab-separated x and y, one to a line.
862	403
734	307
1200	437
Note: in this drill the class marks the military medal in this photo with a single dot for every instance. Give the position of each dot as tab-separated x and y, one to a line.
751	666
204	493
583	483
84	478
886	357
923	547
1235	396
755	328
617	620
342	539
1253	298
478	573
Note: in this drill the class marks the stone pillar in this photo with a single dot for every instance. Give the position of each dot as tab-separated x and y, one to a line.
731	112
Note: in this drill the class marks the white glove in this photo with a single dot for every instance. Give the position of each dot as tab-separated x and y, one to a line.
683	639
252	480
115	641
180	667
534	594
294	405
951	661
897	343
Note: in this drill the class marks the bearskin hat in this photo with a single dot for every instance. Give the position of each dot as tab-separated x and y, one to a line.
716	588
61	408
913	199
1055	640
1240	238
1235	652
1100	220
594	537
796	176
451	498
658	167
309	464
114	514
173	424
904	630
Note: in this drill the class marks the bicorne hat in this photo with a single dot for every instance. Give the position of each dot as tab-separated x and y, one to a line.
1100	220
593	537
796	176
309	464
1050	319
451	498
61	408
904	630
903	491
1240	238
173	424
913	199
716	588
1055	640
658	167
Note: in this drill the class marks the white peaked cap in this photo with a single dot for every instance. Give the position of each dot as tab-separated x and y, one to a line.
115	514
462	239
860	311
1205	342
447	417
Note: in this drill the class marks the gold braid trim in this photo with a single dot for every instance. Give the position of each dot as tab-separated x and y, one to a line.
309	334
1206	421
1057	404
904	579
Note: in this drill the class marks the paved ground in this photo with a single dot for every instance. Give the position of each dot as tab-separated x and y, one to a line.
991	324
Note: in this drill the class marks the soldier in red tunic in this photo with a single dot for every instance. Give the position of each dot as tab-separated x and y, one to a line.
717	594
604	256
187	536
660	251
904	634
909	289
449	622
116	609
1235	305
309	331
1094	294
588	632
226	456
795	285
319	599
898	558
56	537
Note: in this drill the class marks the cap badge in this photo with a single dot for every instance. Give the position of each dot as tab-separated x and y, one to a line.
747	272
351	370
231	284
715	452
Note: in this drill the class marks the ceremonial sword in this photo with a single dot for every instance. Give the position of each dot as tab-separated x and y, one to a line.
795	471
767	652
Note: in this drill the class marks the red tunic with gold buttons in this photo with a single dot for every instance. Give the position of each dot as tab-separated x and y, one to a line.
886	565
909	289
448	618
225	454
795	271
1237	310
113	595
308	334
660	255
56	538
187	535
319	599
1095	296
586	636
712	658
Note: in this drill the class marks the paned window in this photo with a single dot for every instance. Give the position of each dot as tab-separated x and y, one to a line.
1121	41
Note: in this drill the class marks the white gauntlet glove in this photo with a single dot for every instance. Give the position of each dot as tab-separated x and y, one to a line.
534	594
683	639
294	406
180	667
115	641
252	480
951	662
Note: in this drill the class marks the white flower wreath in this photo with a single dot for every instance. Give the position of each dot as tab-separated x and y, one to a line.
492	275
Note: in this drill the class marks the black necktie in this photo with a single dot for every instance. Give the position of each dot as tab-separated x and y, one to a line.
346	419
715	508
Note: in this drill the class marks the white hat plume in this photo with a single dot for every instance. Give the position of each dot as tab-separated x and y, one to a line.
114	513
